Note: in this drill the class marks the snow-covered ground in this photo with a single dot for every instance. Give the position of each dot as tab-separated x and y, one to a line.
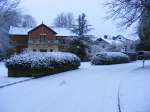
88	89
4	80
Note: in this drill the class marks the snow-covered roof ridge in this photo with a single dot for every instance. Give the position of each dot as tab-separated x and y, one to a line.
109	39
122	38
25	30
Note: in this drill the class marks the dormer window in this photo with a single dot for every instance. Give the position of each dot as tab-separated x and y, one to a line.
113	38
105	36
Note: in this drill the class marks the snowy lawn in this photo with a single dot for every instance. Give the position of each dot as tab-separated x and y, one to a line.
4	80
88	89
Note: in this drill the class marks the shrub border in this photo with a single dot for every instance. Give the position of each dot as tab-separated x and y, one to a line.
109	61
36	73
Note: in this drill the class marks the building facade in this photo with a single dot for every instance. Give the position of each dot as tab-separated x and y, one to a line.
41	38
109	43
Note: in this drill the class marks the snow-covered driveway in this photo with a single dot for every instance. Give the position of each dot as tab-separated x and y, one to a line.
88	89
4	80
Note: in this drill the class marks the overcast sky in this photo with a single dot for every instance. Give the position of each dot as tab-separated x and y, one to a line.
47	10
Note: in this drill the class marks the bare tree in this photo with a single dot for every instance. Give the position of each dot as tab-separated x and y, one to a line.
9	13
64	20
9	16
132	11
128	11
70	20
28	21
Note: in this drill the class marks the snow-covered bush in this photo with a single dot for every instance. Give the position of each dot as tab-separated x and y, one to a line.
107	58
39	64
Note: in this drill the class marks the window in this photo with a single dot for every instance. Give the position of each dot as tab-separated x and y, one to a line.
51	50
105	36
43	50
113	38
43	38
34	50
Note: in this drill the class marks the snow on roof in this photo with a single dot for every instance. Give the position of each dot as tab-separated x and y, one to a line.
24	31
110	40
63	32
19	30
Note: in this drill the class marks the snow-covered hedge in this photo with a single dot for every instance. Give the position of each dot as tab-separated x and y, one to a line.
39	64
107	58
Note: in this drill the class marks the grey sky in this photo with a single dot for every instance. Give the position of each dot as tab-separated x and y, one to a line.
46	11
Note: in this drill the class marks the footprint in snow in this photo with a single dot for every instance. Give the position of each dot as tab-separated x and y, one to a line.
62	83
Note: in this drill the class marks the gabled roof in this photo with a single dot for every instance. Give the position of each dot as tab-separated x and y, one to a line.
110	40
100	40
43	26
24	31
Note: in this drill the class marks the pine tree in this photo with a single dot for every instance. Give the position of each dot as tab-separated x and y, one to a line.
82	27
79	48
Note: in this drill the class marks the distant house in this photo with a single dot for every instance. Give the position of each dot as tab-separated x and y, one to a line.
128	45
99	45
41	38
109	43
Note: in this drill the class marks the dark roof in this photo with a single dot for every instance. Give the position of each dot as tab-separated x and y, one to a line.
41	26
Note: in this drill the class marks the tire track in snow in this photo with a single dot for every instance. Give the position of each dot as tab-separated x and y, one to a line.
14	83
